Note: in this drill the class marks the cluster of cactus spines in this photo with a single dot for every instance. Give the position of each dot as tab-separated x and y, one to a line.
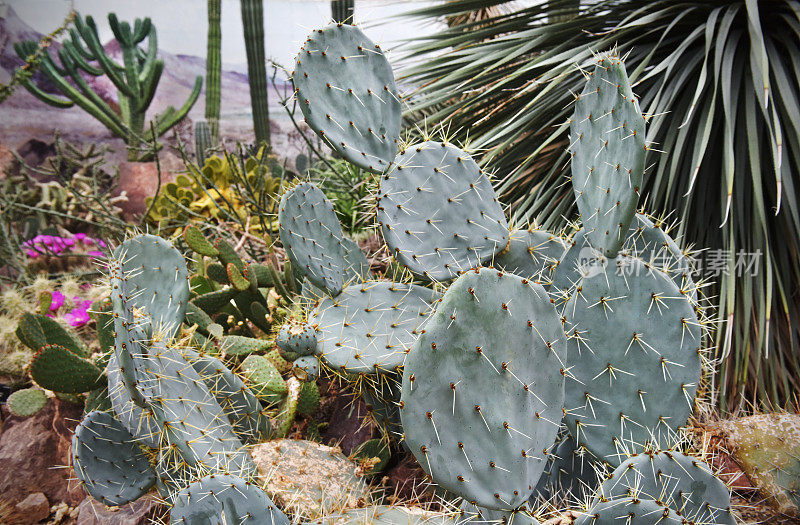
531	253
26	402
767	448
630	511
486	444
635	347
607	135
684	483
136	79
220	498
370	327
470	513
382	399
570	475
347	93
312	237
438	211
109	462
298	338
390	515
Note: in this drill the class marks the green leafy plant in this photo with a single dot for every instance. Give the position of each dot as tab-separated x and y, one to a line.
718	80
136	80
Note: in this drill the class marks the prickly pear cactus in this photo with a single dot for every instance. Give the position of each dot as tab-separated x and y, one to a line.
26	402
306	368
55	368
264	379
225	499
630	511
485	443
438	211
346	91
370	327
607	134
531	253
634	353
312	236
389	515
109	462
138	420
474	514
571	473
685	484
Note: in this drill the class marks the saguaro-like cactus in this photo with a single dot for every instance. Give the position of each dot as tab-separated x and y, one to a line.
213	67
253	20
136	79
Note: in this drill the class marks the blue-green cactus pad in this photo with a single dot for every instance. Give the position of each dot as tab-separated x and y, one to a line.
370	326
346	91
634	358
684	483
298	338
531	253
607	134
306	368
570	473
249	420
483	388
190	416
224	500
313	237
474	514
629	511
389	515
438	211
109	462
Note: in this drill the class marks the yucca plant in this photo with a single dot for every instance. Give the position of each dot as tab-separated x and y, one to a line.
721	81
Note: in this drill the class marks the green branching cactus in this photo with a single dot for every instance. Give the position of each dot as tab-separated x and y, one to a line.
438	212
684	483
225	499
347	93
108	461
607	136
485	443
136	79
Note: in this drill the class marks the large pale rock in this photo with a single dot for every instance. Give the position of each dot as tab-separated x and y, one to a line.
309	479
143	511
34	455
32	509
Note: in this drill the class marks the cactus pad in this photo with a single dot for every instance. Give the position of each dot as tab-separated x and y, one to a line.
370	327
607	134
218	499
389	515
306	368
137	420
438	211
240	345
197	242
485	444
312	236
683	483
570	473
109	462
264	379
55	368
26	402
346	91
634	356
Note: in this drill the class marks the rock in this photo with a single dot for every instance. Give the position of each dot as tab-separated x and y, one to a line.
32	509
139	180
7	161
309	479
767	448
140	512
34	452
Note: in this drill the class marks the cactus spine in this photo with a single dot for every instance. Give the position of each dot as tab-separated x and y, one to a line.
253	20
213	67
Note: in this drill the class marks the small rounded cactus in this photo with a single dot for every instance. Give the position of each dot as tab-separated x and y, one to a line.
26	402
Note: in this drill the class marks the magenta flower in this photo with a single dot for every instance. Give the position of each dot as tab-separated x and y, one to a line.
77	317
95	253
57	301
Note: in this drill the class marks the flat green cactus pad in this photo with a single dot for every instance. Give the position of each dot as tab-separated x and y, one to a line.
55	368
26	402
